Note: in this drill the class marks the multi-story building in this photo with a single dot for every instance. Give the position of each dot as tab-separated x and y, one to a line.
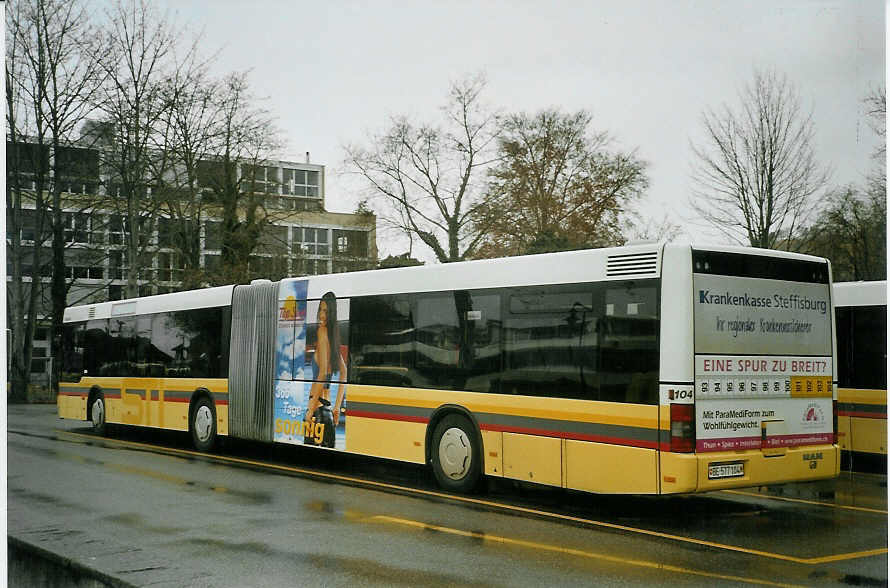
302	237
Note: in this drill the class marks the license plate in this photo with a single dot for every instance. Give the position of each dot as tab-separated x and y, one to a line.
725	470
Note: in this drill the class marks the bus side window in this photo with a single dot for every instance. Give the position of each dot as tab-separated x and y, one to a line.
844	326
381	343
629	351
550	342
72	351
869	361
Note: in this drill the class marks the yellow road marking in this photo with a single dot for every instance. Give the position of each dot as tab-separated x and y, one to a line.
569	551
488	503
805	501
845	556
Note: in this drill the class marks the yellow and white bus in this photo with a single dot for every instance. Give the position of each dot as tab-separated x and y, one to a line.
861	316
648	369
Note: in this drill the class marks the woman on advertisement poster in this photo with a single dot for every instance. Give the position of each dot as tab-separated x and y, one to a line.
327	352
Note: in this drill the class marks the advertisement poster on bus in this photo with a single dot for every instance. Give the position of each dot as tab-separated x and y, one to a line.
763	368
311	358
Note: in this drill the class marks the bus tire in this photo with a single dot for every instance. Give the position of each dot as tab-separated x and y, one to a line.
96	413
202	424
456	454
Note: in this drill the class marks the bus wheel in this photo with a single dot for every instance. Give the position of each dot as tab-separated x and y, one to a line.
97	414
203	425
456	454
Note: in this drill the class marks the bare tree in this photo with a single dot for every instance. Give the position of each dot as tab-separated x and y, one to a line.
756	176
556	186
139	59
233	177
27	178
187	134
852	232
647	228
852	229
429	175
67	47
876	110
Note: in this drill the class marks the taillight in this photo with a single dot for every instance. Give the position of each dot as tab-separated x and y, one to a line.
834	421
682	428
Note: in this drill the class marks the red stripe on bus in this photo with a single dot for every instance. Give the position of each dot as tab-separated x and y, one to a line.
864	415
573	436
140	396
386	416
184	399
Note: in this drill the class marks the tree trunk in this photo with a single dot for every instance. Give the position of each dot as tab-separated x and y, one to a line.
58	287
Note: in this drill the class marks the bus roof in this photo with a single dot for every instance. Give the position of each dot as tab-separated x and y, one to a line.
204	298
589	265
860	293
638	261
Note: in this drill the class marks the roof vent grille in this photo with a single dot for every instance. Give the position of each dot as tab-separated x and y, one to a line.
92	312
628	264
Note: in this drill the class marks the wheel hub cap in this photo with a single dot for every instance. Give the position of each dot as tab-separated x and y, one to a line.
203	423
98	416
455	454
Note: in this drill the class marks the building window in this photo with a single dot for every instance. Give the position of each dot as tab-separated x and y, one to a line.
273	239
309	241
83	264
29	225
213	235
260	178
351	243
170	267
211	263
309	267
300	182
116	266
116	229
75	225
165	232
77	169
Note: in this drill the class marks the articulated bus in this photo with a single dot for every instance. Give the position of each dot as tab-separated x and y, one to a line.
646	369
861	317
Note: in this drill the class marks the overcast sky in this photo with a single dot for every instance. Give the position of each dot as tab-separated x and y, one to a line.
333	70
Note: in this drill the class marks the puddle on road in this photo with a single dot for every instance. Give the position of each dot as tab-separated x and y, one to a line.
374	572
137	521
245	497
28	495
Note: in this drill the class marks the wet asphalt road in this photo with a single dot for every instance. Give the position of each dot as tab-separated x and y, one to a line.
260	515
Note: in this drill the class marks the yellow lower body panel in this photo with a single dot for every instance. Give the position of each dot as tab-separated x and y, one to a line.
612	469
493	447
689	472
72	407
147	402
401	440
868	435
532	458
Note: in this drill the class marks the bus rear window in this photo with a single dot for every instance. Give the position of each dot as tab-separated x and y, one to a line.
759	266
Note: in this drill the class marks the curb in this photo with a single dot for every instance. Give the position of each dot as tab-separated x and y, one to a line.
32	565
